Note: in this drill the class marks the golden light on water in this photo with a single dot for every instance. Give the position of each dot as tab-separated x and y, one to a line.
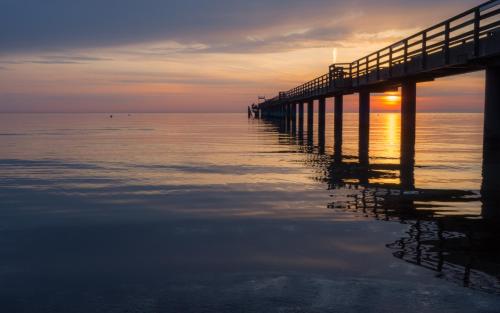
391	134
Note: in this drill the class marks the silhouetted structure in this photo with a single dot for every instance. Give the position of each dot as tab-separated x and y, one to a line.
465	43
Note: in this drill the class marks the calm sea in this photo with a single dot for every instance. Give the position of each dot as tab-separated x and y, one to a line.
218	213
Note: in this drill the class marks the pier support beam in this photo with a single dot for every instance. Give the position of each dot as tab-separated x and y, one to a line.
310	121
286	122
293	116
338	125
364	127
321	124
408	129
490	188
301	119
288	117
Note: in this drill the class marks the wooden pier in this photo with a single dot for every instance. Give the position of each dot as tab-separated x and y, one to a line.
464	43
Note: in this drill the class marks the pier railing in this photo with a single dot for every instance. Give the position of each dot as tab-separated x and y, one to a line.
456	41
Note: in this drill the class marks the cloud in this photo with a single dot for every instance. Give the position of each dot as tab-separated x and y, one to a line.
56	59
216	25
68	59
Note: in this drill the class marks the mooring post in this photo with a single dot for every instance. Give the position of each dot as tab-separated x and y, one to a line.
321	124
364	127
310	121
408	129
338	125
490	188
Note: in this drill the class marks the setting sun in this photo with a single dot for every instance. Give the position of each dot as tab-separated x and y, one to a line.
391	99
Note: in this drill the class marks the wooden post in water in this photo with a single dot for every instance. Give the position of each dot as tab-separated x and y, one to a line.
490	188
288	117
285	117
293	116
301	119
321	124
408	129
310	121
364	127
338	125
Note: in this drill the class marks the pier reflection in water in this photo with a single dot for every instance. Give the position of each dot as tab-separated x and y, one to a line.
453	232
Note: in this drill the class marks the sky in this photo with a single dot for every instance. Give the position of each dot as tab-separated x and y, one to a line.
203	55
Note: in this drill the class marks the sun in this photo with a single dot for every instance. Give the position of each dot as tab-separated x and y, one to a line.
391	99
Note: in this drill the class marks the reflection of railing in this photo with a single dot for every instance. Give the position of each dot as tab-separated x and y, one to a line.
454	41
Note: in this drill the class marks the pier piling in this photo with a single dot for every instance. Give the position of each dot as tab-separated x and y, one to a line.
338	125
364	127
310	120
321	124
408	127
490	188
301	118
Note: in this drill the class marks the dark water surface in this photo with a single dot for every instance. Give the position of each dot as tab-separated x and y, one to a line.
217	213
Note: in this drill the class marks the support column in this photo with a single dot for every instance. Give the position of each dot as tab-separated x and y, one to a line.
301	119
338	125
408	129
490	188
321	124
287	117
310	121
364	127
284	115
294	117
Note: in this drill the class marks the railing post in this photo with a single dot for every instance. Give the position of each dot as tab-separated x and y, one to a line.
447	43
424	50
390	61
405	56
367	68
378	65
350	73
357	72
477	20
